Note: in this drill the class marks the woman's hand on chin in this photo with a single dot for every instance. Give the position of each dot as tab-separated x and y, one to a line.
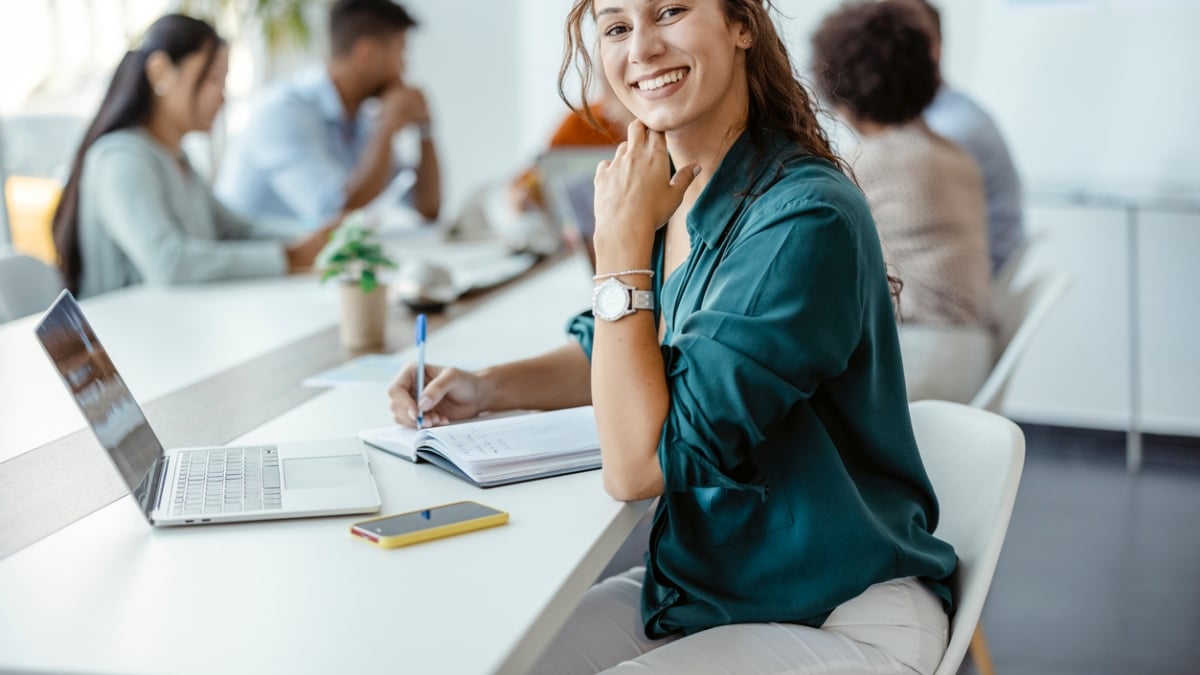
635	195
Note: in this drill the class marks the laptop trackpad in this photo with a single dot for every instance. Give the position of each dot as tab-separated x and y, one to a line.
304	473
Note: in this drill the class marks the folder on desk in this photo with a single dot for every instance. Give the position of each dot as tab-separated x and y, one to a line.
500	450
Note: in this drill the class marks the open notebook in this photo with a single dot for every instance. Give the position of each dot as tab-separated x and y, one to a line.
500	450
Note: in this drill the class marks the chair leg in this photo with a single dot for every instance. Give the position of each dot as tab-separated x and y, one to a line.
980	653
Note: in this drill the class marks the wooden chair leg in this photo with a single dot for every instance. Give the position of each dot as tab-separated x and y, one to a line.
980	653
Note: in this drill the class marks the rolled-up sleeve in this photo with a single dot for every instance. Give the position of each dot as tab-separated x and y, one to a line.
779	316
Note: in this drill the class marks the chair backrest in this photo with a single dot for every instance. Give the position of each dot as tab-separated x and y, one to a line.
1005	278
1019	313
36	150
27	285
42	145
974	460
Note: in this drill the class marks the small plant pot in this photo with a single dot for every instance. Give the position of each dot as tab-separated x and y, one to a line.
364	317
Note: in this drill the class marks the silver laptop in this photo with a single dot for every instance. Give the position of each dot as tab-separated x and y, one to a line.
568	175
196	486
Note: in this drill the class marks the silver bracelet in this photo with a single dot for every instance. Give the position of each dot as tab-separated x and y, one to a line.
610	275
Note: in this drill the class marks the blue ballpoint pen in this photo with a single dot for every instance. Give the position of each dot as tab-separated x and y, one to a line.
420	367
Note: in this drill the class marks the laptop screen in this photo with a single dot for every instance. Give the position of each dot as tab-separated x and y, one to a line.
102	396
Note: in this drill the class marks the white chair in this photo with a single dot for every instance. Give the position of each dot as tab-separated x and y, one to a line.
1019	313
1002	281
974	460
38	144
27	285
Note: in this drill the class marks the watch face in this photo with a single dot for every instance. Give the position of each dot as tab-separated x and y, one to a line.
611	301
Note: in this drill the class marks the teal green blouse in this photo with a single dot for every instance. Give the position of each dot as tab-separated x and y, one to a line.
792	479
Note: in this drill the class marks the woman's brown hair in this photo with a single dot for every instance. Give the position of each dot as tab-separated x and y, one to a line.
779	101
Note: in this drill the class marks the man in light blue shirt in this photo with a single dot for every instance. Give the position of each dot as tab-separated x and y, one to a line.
321	144
960	119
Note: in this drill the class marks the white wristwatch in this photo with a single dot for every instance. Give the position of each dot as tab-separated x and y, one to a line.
612	300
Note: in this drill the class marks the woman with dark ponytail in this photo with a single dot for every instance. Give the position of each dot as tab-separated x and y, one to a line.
133	210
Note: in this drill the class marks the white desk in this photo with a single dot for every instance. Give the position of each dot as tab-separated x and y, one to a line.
109	594
164	339
161	339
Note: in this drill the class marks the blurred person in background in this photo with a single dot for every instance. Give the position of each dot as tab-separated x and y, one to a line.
874	62
953	115
322	143
133	209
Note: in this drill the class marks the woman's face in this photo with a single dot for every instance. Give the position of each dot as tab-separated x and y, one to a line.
194	97
673	63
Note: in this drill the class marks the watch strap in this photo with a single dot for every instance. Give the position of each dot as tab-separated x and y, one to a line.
641	299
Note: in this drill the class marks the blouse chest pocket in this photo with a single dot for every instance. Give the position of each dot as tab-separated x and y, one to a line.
721	515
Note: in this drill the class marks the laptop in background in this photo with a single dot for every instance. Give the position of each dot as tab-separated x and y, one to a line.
568	174
194	486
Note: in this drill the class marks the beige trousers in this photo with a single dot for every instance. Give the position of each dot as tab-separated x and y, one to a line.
893	627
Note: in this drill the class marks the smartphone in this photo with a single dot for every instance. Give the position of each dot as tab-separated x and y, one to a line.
425	524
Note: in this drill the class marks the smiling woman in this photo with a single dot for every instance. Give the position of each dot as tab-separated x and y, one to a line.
743	362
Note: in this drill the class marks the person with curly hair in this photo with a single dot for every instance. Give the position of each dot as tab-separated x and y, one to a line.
874	61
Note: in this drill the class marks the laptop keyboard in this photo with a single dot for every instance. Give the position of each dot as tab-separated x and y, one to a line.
227	480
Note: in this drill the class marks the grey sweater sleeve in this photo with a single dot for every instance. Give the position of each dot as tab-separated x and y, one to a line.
131	198
232	226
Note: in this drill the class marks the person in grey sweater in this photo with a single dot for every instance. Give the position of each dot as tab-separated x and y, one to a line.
133	209
875	63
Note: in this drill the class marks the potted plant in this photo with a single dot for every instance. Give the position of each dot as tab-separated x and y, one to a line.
354	257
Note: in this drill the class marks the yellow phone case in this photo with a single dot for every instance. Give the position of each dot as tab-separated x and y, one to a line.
431	533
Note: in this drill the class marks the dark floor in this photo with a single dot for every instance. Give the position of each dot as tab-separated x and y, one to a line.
1100	573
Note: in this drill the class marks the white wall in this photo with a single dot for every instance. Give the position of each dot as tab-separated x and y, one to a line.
1095	92
1105	95
1057	80
466	56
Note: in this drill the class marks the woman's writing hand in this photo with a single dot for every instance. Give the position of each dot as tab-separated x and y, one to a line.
450	394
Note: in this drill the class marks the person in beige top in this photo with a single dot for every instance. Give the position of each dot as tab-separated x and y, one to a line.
874	62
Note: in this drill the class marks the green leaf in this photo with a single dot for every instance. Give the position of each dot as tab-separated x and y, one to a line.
354	250
368	281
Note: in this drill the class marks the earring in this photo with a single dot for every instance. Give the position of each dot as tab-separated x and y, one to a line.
160	88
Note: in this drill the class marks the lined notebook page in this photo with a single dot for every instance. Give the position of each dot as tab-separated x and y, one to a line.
514	438
397	440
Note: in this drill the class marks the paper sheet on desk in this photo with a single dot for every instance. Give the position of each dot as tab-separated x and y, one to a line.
369	370
490	271
391	214
473	265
